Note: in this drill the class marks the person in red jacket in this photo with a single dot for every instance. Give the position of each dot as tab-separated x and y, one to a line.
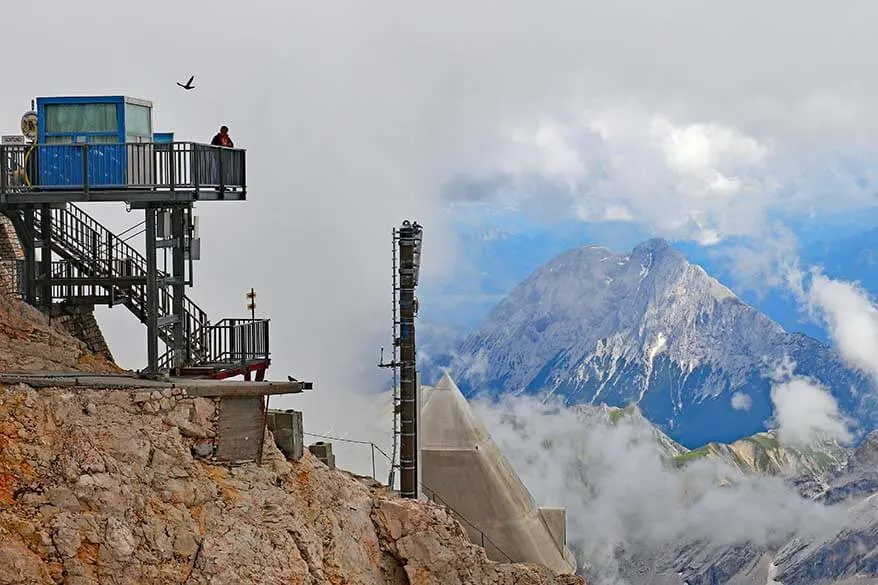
223	138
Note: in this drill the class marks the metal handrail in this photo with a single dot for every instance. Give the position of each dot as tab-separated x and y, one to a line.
132	165
237	340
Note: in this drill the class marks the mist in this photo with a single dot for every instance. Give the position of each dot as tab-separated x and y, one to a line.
622	495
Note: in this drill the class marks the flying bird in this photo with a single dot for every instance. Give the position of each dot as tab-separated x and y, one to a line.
188	85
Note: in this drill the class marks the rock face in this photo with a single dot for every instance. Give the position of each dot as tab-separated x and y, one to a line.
93	489
649	328
101	486
29	341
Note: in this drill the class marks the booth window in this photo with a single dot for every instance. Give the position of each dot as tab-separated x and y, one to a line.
138	125
76	118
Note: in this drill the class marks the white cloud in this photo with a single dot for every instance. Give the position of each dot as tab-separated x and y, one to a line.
852	318
805	411
700	181
621	496
703	149
741	401
767	262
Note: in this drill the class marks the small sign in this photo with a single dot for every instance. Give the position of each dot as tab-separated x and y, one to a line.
13	139
29	124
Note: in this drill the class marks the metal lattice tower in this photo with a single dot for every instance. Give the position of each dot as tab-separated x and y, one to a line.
406	401
395	332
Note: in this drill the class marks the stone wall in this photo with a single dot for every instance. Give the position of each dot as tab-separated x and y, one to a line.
10	250
80	322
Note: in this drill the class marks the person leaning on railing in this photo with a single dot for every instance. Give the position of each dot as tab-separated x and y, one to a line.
223	138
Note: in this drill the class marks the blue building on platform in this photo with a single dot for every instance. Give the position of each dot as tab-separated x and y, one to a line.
105	143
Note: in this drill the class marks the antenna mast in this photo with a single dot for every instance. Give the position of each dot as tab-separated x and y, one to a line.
406	402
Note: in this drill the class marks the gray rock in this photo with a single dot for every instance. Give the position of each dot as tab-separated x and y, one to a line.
203	448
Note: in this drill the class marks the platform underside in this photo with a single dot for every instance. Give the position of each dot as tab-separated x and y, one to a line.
135	197
193	387
221	371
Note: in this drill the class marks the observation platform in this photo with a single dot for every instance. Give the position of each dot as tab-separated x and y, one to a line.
137	173
79	149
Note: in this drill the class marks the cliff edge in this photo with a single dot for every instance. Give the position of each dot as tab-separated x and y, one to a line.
107	486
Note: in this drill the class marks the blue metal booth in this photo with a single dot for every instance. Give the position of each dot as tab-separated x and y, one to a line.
106	124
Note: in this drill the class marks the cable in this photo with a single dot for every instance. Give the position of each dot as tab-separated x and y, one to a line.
136	225
134	235
424	486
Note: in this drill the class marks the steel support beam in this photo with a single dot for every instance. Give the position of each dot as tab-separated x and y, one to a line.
45	272
30	258
152	293
178	286
133	197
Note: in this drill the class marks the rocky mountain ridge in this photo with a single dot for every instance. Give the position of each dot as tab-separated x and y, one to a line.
649	328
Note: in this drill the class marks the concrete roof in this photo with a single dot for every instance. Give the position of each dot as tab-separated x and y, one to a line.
459	428
463	466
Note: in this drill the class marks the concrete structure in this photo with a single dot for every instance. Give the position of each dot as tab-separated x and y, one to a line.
463	468
286	426
323	452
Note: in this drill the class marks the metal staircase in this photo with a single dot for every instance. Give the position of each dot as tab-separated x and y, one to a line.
98	267
91	251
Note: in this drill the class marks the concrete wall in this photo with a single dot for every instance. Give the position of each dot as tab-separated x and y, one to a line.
240	428
556	521
286	426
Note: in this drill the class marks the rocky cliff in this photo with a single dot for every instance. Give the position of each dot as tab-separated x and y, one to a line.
102	486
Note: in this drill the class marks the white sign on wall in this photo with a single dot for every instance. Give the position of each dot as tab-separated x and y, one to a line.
13	139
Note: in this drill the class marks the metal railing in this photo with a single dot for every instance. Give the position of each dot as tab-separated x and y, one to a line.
133	165
237	341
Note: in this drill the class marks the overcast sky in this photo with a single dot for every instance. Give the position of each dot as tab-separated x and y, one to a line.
697	119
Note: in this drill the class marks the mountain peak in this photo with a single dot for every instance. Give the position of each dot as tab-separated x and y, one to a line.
653	245
650	328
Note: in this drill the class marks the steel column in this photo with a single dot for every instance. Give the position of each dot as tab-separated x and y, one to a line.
152	293
30	258
46	256
178	285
